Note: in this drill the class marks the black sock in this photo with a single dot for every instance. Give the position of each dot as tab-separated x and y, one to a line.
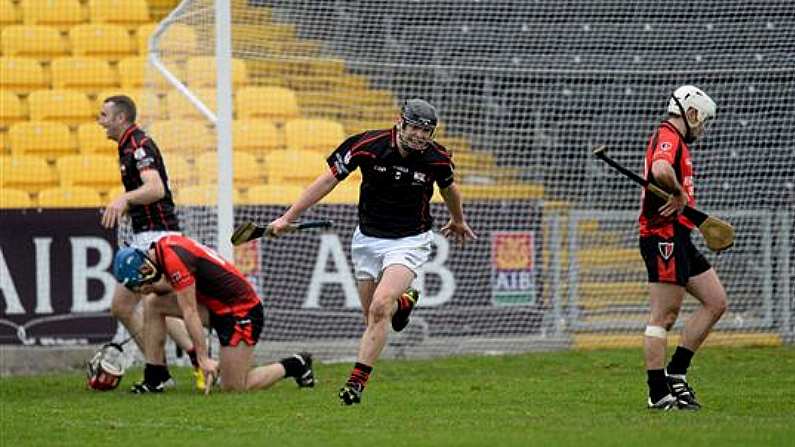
292	366
155	374
192	356
658	386
680	361
360	374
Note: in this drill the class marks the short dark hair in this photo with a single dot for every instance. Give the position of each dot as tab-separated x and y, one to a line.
123	104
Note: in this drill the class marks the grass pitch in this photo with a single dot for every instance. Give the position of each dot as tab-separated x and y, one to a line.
559	398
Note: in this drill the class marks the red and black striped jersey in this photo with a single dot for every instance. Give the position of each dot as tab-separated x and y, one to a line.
666	143
137	153
395	194
219	285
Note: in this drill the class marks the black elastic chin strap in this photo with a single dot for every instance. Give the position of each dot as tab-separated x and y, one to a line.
688	133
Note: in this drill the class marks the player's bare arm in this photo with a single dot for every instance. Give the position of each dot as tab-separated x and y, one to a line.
457	226
319	188
186	298
664	174
151	191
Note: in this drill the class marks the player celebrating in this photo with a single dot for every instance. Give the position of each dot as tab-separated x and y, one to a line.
673	263
393	240
184	279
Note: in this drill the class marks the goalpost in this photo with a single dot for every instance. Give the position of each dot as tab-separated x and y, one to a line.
525	90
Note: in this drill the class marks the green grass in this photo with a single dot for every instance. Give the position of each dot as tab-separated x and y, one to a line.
560	398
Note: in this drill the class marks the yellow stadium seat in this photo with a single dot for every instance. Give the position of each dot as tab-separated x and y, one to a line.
9	15
147	103
100	172
110	42
21	75
186	137
247	171
177	41
206	195
5	146
345	192
92	139
67	106
272	195
83	73
127	13
11	110
313	134
256	136
61	14
135	73
70	197
294	166
40	42
275	103
200	72
14	198
180	172
179	107
27	173
47	139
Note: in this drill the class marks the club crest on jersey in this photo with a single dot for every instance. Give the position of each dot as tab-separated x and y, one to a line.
664	146
420	177
139	153
175	277
666	249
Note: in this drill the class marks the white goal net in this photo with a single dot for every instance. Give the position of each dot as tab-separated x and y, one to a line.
525	90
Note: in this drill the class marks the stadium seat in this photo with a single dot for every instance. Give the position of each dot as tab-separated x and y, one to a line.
111	42
9	15
179	107
41	138
345	192
135	73
272	194
127	13
27	173
206	195
313	134
83	73
70	197
14	198
11	110
180	172
247	171
100	172
21	75
67	106
256	136
294	166
201	70
148	104
177	41
274	103
185	137
92	139
37	41
5	146
61	14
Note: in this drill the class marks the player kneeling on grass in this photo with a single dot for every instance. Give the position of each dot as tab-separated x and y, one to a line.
182	278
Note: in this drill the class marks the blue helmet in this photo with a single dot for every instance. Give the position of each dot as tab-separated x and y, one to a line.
132	268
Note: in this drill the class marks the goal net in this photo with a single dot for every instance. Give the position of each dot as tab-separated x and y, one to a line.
525	91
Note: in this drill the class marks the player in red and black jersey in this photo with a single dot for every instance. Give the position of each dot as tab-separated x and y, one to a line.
673	263
184	279
147	200
393	240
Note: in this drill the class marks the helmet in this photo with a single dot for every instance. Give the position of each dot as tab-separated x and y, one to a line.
417	113
106	368
686	97
132	268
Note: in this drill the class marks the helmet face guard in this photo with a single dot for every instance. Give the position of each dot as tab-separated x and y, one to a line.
418	114
106	368
133	268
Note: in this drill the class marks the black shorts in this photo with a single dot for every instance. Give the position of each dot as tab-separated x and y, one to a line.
232	329
673	260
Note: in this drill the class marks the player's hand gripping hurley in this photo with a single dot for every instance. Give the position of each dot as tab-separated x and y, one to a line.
250	230
718	234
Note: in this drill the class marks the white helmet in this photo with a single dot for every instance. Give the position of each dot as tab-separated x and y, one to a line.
689	96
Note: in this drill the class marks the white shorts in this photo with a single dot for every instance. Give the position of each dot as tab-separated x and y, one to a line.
371	255
145	239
